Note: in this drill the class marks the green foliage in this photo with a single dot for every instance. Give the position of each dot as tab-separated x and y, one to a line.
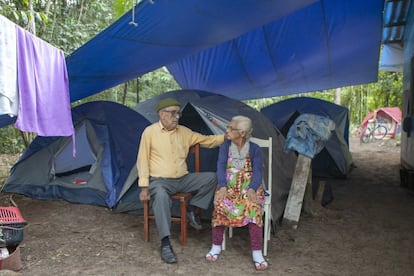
11	140
362	99
19	12
137	90
74	24
64	24
119	7
155	83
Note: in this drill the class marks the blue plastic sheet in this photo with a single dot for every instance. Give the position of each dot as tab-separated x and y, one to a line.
241	49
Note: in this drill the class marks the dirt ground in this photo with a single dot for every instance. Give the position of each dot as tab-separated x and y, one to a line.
366	230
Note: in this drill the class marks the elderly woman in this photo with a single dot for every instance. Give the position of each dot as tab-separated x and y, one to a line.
239	197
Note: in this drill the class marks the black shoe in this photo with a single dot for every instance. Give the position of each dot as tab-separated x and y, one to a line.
168	255
193	222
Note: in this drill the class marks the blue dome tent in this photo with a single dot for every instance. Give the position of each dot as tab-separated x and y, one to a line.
335	159
107	136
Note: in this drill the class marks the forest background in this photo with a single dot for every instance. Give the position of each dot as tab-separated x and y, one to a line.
68	24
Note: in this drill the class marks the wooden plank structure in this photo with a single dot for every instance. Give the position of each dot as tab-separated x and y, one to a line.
300	193
301	177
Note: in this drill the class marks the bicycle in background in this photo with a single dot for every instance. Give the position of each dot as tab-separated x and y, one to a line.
375	131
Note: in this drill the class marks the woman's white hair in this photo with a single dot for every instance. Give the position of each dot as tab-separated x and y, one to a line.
244	124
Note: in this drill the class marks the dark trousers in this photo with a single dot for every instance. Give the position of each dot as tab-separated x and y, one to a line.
202	185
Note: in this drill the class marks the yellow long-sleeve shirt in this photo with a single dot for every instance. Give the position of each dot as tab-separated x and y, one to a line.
163	153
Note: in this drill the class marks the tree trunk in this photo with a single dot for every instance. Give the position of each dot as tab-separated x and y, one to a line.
337	96
80	11
125	93
137	90
47	11
32	24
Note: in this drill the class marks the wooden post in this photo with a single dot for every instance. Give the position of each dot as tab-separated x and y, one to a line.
311	206
308	198
319	194
297	191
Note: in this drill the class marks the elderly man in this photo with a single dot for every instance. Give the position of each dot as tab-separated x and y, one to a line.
162	170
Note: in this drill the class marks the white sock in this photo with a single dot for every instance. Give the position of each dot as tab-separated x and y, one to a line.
257	256
215	249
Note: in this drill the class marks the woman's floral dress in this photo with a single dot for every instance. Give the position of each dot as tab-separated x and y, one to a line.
236	210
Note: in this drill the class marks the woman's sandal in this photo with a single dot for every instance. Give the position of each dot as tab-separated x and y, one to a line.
261	265
212	257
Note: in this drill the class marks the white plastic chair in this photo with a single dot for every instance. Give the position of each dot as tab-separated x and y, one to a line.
267	186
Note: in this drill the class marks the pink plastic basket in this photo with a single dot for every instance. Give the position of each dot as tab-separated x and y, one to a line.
11	226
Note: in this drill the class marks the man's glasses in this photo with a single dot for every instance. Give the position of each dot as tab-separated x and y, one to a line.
174	113
232	129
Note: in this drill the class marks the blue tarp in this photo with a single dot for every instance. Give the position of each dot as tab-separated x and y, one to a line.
311	49
241	49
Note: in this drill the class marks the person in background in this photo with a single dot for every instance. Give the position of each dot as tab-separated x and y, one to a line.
162	170
239	197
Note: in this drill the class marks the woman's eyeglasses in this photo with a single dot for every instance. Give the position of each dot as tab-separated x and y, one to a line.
232	129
